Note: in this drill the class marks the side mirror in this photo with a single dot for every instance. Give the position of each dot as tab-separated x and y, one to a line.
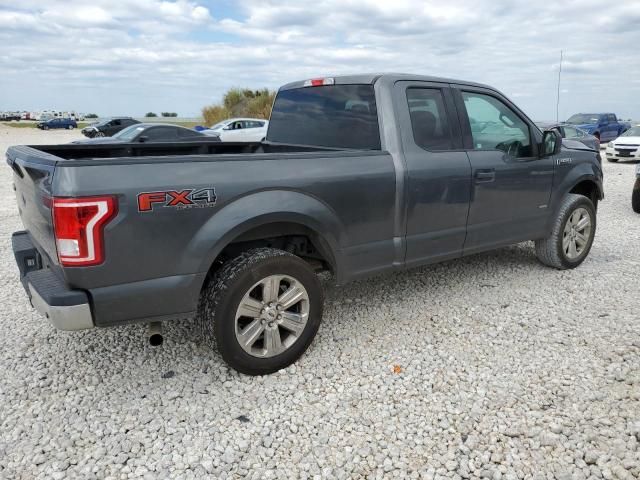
143	139
551	143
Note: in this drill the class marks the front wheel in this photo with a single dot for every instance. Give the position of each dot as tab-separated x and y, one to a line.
261	310
635	197
572	235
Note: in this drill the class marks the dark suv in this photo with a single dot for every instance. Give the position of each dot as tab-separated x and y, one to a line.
108	127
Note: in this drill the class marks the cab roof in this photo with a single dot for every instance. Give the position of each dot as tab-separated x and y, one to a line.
371	78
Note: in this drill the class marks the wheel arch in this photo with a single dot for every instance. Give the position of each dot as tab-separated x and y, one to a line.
268	215
583	180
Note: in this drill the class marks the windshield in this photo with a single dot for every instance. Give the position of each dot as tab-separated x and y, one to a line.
583	118
129	133
632	132
219	126
338	116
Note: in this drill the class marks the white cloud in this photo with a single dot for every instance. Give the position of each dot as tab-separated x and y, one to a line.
130	56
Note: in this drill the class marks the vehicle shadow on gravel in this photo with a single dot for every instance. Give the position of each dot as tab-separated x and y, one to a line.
183	339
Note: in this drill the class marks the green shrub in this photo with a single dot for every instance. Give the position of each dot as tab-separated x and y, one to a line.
240	102
150	115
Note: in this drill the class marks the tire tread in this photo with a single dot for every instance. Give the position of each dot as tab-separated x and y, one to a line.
547	248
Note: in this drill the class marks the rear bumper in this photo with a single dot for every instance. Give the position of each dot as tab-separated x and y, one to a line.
64	307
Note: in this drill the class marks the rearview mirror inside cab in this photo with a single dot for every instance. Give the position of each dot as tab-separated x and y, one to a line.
551	143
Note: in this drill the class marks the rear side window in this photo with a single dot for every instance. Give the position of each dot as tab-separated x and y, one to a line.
161	134
184	133
429	119
338	116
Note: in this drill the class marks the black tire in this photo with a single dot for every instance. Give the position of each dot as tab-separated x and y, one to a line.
223	293
635	197
549	250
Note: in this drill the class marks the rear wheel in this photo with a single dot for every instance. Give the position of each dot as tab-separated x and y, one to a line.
261	310
635	197
572	234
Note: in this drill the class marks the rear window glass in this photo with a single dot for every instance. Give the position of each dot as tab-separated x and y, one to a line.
339	116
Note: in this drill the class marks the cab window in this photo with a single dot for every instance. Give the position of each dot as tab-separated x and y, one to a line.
495	126
429	120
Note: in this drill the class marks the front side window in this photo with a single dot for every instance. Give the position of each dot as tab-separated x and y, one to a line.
429	119
494	126
612	118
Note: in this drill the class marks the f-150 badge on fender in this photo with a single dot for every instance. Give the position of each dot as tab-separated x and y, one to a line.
180	199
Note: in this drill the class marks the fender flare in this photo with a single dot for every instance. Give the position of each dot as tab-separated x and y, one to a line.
569	183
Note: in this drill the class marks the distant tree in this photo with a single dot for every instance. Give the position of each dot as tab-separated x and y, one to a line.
240	102
91	115
150	115
169	114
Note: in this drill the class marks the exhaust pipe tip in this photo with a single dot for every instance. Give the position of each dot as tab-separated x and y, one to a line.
155	334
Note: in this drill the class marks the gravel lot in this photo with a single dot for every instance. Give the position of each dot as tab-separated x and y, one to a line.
488	367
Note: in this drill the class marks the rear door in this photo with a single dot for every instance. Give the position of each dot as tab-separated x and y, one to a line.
511	184
439	172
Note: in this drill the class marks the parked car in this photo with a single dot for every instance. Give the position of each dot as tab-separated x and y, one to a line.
239	130
604	126
108	127
572	133
625	147
52	123
359	175
149	133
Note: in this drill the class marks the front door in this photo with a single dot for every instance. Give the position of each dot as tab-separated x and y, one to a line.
439	174
511	184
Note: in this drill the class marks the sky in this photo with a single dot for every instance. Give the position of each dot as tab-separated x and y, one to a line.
128	57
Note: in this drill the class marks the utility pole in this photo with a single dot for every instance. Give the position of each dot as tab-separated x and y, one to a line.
558	97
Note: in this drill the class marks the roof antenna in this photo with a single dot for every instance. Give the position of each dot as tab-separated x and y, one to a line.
558	98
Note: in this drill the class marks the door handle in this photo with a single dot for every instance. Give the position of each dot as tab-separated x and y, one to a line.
485	176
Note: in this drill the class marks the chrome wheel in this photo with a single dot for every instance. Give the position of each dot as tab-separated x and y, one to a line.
271	316
577	233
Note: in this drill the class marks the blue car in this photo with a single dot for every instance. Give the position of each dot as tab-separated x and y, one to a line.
67	123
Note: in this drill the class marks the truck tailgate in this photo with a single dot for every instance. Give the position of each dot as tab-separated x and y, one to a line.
32	176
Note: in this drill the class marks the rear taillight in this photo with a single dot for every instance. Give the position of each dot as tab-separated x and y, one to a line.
78	225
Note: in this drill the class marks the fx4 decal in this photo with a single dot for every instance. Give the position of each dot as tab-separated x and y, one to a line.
180	199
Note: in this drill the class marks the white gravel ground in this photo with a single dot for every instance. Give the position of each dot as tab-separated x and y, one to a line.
504	369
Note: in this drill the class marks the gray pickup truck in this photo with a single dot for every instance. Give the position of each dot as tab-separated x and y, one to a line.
358	175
